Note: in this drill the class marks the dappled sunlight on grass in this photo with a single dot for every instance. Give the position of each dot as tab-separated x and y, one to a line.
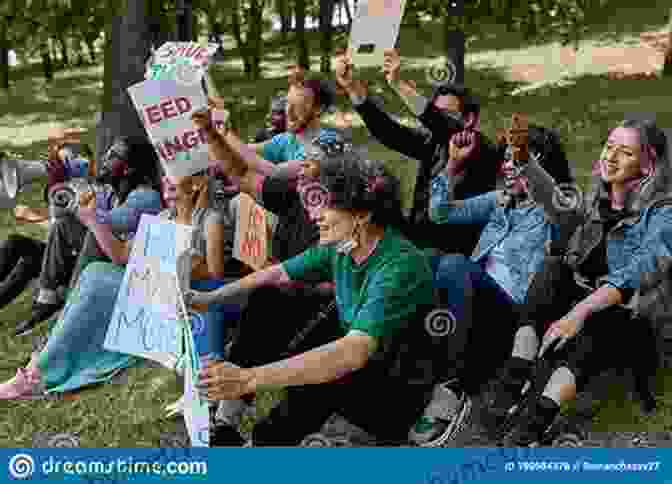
129	413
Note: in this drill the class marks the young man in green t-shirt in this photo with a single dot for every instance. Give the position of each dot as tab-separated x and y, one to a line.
354	364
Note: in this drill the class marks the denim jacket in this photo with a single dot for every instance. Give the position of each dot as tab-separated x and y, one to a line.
639	247
522	228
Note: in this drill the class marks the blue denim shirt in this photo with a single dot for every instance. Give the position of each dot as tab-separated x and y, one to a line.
125	218
522	230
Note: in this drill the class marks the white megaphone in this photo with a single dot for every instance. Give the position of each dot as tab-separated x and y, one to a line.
17	174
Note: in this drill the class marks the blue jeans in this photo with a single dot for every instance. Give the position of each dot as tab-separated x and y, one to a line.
484	320
210	328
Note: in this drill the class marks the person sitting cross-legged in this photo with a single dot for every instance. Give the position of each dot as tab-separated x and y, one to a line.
383	286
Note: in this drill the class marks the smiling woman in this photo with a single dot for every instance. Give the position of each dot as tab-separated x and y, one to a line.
577	302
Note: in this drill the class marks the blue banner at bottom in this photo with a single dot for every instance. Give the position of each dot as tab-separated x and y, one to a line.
339	465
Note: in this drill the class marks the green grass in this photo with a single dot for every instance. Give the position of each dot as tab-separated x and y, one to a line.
130	413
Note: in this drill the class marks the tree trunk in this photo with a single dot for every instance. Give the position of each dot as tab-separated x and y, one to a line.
63	44
4	57
454	46
255	40
240	43
47	65
282	6
126	51
301	42
326	30
667	65
90	50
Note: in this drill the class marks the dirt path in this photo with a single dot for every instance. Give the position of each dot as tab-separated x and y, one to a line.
640	56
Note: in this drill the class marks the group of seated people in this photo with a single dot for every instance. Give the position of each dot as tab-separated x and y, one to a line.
488	275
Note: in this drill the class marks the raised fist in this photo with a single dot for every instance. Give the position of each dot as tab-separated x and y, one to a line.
462	146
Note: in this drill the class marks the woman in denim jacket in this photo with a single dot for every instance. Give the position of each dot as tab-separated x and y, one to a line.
509	252
624	240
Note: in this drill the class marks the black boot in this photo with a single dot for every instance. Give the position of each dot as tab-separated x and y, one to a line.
505	394
532	423
25	270
41	312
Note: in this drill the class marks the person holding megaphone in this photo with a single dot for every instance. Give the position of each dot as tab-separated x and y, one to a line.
23	259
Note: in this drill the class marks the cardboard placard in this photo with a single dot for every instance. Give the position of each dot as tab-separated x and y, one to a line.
165	108
251	238
146	316
375	29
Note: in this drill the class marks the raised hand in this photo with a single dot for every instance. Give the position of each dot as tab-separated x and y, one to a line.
392	65
203	119
559	333
462	146
344	69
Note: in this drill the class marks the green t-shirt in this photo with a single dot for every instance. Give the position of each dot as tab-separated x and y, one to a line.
388	289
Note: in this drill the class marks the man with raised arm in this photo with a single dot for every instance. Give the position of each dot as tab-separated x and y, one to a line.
449	111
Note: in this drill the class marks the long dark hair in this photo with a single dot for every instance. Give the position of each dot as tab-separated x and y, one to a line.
141	162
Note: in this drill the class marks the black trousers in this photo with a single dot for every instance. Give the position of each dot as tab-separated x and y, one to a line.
20	263
383	404
612	338
64	243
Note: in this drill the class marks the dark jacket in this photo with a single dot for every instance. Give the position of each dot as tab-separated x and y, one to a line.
431	150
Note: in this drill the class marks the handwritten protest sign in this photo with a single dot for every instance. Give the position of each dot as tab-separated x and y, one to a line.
145	321
375	28
251	237
196	409
183	62
165	108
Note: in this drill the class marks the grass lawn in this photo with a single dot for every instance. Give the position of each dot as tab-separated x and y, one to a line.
129	413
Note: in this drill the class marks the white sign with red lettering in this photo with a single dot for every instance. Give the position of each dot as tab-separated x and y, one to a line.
165	108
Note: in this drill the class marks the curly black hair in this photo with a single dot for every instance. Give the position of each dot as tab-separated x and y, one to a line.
357	184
